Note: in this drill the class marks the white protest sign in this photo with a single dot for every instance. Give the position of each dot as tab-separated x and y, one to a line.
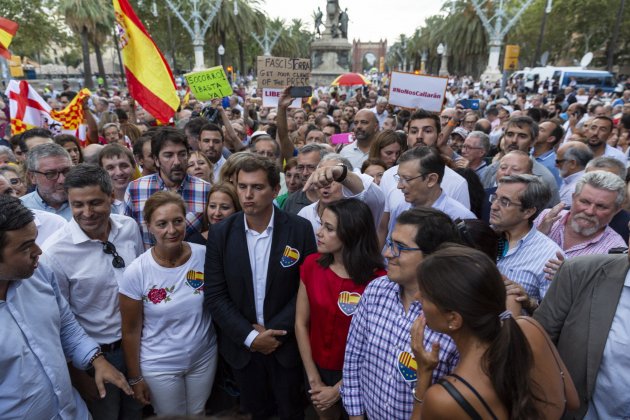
271	97
410	90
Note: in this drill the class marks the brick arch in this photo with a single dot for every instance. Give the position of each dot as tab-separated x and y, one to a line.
360	49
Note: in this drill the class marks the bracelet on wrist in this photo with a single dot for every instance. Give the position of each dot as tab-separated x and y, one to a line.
415	397
94	357
343	175
136	380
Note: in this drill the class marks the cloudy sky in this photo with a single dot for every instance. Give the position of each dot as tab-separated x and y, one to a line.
370	20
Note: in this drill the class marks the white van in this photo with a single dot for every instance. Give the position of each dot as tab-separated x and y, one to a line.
563	75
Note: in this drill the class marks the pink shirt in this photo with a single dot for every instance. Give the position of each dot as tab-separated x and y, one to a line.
600	244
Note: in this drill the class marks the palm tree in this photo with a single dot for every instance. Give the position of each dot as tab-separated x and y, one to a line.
99	37
81	16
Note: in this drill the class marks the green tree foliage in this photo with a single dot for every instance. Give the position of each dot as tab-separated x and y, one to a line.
38	22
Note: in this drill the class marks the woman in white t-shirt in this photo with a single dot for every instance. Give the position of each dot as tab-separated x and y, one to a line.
168	338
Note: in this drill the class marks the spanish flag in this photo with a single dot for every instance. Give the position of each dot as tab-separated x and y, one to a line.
8	28
149	77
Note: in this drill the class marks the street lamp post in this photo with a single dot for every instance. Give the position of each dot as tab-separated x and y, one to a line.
441	50
221	51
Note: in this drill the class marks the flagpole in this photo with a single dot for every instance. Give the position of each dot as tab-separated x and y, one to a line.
120	63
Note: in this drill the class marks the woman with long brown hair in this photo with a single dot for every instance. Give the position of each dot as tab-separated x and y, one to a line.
508	368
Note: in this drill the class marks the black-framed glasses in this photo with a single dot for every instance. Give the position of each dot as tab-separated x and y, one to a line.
560	161
465	146
53	175
395	248
503	201
15	181
110	249
405	181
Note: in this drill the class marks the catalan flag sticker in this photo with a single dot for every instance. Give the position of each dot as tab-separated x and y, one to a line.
289	257
407	366
195	279
348	302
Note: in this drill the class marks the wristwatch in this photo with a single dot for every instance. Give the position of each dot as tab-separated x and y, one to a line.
344	173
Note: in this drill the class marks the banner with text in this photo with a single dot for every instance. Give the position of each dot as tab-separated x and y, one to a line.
280	72
410	90
209	84
271	97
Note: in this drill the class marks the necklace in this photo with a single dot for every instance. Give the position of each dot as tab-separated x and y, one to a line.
169	262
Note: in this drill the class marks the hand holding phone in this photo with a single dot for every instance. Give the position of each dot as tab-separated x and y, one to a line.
300	91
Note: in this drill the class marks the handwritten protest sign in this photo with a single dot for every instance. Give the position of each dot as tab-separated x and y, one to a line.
280	72
271	97
209	84
410	90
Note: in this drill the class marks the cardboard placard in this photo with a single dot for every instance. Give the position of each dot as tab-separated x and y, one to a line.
271	97
280	72
209	84
410	90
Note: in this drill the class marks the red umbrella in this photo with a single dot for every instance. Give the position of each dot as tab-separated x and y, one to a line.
350	79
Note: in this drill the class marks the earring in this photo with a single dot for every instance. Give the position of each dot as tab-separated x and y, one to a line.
450	327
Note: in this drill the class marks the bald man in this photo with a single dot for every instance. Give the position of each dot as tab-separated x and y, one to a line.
365	129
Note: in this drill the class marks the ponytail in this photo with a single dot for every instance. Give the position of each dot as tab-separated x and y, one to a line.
509	362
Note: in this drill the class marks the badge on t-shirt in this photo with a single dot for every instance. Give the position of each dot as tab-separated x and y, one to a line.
289	257
407	366
348	302
195	280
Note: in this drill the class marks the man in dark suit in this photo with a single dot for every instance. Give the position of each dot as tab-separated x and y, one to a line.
252	278
585	312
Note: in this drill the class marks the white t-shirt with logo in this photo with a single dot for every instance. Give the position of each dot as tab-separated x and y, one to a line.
176	331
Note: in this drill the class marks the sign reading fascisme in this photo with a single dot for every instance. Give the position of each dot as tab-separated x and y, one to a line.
209	84
410	90
280	72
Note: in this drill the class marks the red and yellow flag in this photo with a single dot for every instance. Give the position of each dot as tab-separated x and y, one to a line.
149	77
8	28
71	116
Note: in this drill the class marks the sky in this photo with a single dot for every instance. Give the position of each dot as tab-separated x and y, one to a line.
370	20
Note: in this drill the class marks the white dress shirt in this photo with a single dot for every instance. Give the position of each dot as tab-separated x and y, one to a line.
47	223
87	278
567	188
216	169
259	249
453	184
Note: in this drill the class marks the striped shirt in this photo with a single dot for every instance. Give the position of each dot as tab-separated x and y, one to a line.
600	244
379	334
524	263
193	190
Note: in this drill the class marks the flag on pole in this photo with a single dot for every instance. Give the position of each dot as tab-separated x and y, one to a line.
8	28
28	110
149	77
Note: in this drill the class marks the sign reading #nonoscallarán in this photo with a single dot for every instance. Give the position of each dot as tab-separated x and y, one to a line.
410	90
209	84
280	72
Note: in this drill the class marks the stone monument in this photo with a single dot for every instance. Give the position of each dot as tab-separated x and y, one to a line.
330	53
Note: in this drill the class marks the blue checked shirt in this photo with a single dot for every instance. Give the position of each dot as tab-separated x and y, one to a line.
379	332
524	263
193	190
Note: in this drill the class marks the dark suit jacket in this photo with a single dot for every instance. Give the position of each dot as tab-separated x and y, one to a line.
577	313
229	291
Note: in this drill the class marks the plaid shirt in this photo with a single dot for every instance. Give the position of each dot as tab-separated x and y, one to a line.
193	190
379	332
600	244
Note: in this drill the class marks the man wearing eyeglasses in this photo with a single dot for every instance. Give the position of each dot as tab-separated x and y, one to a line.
374	382
88	257
571	160
515	205
475	149
419	177
47	166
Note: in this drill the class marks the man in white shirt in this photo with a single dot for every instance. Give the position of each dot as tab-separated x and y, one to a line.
571	159
88	257
419	177
365	130
211	144
380	110
598	133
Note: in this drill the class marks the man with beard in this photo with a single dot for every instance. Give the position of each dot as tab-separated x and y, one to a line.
598	133
365	128
170	150
47	166
584	230
520	134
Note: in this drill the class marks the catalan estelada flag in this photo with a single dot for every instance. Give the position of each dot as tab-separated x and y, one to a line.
149	77
8	28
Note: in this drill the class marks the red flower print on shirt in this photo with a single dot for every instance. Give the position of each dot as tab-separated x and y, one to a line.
156	295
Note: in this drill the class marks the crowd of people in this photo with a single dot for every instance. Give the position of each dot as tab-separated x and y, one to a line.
432	265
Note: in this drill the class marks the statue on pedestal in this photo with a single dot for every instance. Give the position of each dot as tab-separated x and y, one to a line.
343	23
332	17
318	20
